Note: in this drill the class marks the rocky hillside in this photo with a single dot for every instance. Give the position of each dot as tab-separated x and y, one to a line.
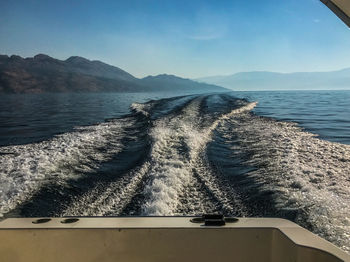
43	73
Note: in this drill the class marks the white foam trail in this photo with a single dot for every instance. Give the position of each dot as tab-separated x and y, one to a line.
178	141
114	197
306	173
171	168
163	109
24	168
108	199
141	108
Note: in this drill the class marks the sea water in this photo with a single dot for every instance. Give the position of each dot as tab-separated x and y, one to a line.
272	154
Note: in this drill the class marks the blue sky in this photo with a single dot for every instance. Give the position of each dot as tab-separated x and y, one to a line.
186	38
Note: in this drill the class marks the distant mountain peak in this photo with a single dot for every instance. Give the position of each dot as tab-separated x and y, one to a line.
77	59
164	77
173	83
43	73
265	80
42	57
16	57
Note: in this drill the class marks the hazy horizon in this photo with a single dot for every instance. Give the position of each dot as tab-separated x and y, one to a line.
196	78
189	39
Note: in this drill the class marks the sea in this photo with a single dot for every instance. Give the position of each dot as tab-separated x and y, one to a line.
248	154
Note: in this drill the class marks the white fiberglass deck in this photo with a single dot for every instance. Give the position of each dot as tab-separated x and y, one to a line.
161	239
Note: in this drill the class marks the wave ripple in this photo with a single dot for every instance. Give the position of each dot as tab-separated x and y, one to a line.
184	156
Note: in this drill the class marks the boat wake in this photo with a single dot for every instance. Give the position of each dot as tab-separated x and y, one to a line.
184	156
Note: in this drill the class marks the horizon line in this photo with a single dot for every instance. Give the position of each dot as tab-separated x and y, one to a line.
191	78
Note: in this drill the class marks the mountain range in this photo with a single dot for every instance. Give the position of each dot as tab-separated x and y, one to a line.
42	73
262	80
